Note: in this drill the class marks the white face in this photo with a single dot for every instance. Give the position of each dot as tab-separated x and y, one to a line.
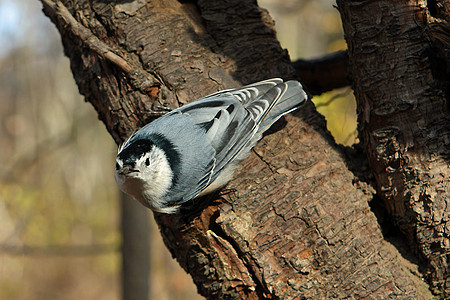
136	169
146	178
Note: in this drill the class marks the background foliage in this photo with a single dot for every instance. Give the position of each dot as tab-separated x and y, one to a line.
59	235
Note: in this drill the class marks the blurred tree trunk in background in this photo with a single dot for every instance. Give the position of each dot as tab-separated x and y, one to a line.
299	223
135	229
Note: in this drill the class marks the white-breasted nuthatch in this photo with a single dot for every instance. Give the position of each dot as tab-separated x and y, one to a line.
194	149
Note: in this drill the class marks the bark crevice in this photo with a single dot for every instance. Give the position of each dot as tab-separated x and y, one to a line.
252	268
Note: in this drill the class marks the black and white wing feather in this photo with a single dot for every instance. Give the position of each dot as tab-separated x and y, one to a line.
234	120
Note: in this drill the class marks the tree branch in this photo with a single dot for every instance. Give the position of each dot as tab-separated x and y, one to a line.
324	73
138	78
85	35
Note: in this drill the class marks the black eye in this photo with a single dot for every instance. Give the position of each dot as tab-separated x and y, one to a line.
117	166
147	162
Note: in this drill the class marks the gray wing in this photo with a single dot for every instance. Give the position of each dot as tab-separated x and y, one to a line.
235	119
204	109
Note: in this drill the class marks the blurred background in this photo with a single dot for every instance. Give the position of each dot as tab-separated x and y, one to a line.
59	205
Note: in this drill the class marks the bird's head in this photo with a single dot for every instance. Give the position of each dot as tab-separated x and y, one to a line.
143	171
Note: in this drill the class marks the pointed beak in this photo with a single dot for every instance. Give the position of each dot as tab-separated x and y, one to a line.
126	170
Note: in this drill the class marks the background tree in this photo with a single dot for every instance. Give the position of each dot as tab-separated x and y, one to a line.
299	223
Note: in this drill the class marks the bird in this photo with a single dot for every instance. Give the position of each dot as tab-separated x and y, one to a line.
194	150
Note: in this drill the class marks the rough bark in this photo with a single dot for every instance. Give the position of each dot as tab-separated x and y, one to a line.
297	223
398	52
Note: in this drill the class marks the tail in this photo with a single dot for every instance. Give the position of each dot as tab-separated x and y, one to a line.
285	97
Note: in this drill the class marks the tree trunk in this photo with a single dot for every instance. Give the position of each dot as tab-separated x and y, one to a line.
135	229
399	59
297	223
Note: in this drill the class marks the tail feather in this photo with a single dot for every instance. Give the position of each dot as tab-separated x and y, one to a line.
290	100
